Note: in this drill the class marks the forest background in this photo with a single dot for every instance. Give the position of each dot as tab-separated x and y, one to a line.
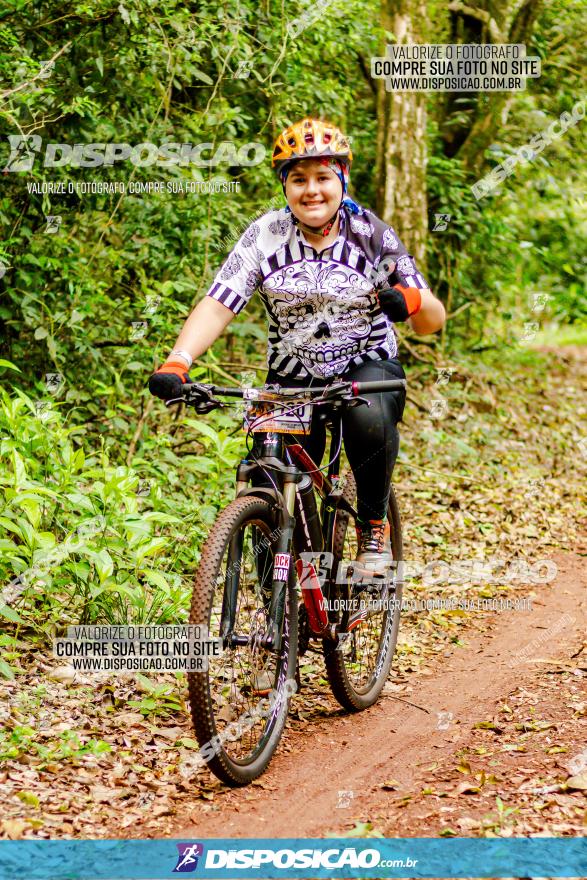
106	496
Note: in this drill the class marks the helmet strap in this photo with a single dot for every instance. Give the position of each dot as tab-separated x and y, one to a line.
316	230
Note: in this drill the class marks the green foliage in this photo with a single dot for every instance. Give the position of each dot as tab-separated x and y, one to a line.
85	540
135	74
526	238
22	740
159	699
100	301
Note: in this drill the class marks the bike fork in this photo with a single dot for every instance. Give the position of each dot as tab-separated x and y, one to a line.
282	564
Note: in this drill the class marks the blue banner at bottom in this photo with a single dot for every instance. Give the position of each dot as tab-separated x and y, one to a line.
293	857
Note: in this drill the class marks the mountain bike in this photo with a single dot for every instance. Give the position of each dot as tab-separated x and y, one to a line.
288	534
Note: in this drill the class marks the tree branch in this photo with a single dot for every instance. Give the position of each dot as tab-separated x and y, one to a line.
136	436
494	114
367	74
112	344
39	74
480	15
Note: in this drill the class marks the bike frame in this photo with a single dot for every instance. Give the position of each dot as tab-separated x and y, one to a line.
277	450
290	463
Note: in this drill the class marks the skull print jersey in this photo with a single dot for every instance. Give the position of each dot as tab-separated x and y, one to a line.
323	310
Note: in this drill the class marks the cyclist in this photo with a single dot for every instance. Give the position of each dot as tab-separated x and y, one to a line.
333	278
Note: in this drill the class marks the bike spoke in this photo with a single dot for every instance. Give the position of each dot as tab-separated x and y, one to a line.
367	618
238	677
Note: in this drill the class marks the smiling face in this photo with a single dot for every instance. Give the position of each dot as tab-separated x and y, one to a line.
313	192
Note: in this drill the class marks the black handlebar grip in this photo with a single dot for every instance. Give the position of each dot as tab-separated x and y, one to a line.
375	386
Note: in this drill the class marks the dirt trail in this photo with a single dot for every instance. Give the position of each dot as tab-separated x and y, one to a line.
383	755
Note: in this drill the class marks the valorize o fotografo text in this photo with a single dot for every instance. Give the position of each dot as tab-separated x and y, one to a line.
137	648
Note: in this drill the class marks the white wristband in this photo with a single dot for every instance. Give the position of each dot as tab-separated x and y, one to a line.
185	355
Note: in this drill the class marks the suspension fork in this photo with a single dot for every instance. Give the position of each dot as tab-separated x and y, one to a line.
282	562
231	581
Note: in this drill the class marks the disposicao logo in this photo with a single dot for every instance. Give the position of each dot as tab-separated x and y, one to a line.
187	860
24	150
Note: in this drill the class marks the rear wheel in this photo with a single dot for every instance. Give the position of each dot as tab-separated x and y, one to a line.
359	664
239	705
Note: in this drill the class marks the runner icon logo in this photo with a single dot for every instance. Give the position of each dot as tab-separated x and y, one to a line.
187	860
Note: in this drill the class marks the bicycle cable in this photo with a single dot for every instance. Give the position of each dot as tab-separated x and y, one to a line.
250	451
292	410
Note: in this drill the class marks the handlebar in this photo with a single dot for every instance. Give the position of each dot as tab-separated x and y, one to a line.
204	397
377	386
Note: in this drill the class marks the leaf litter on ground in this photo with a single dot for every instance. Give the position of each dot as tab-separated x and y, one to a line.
499	477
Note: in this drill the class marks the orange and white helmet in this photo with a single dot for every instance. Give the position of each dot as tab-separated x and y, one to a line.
310	139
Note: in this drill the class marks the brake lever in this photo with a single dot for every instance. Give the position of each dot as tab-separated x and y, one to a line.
206	406
333	391
173	400
337	402
359	401
199	397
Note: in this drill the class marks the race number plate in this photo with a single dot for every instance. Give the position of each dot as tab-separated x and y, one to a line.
282	418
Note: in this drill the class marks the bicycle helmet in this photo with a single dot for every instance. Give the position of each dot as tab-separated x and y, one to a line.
309	139
314	139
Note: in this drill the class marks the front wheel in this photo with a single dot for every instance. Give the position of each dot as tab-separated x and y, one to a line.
239	705
359	664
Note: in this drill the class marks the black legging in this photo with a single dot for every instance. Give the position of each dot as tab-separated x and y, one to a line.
370	434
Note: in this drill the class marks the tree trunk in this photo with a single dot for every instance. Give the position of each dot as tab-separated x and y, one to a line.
401	139
489	21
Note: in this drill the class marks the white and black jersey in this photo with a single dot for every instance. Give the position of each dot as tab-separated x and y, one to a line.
323	310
